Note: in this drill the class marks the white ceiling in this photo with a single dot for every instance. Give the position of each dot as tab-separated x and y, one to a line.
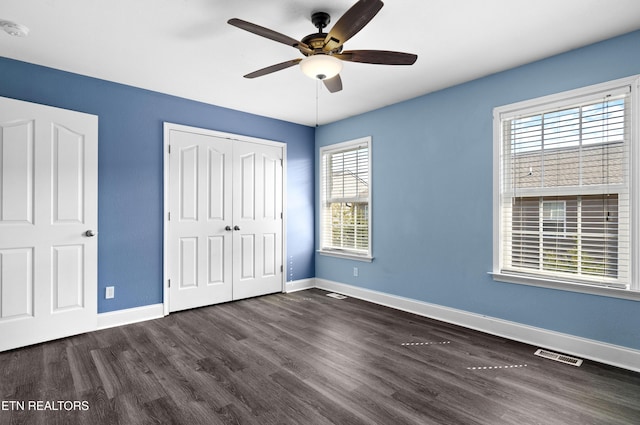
186	48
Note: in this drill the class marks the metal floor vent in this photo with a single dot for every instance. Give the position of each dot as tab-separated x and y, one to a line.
558	357
336	296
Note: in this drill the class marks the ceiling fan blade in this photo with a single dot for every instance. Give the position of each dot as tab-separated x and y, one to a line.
273	68
351	23
333	84
270	34
380	57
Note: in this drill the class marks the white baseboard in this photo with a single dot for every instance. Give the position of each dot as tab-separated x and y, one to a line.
602	352
130	315
299	285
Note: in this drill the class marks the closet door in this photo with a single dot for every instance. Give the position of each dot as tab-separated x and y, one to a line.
224	225
257	219
200	222
48	223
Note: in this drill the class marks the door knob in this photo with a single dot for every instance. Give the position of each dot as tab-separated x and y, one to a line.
236	227
89	233
227	228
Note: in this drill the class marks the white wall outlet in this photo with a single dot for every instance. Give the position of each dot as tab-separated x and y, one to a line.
355	272
109	292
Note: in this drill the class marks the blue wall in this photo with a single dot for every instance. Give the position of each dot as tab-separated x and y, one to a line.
130	171
432	198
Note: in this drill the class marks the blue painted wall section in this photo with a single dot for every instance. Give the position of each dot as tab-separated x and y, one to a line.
432	198
130	171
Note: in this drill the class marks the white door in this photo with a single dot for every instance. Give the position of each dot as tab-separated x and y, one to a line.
200	224
224	228
48	223
257	220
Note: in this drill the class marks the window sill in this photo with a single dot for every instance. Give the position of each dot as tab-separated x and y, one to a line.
564	286
348	255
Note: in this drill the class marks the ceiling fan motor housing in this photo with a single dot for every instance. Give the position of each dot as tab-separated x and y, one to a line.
317	41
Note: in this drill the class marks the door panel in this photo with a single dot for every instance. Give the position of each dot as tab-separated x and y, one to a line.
216	260
189	158
67	176
269	248
271	208
68	281
247	258
16	176
48	200
16	283
217	181
247	186
188	263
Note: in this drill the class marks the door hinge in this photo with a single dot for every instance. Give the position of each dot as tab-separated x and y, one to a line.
281	215
169	281
169	216
282	162
169	149
281	268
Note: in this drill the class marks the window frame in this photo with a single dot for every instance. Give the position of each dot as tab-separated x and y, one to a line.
559	100
563	220
345	252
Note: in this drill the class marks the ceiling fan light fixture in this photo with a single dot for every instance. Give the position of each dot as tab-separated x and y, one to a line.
321	66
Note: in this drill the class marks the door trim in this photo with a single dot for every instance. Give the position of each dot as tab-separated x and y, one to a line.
167	128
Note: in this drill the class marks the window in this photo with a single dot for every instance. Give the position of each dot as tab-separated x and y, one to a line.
564	189
554	216
345	175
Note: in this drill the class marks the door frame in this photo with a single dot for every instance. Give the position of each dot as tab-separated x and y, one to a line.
167	128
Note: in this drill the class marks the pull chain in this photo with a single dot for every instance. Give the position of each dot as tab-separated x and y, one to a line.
317	101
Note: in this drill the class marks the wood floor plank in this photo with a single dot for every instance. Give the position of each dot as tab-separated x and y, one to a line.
305	394
305	358
102	409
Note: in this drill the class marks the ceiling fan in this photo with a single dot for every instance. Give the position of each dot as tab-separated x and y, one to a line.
323	51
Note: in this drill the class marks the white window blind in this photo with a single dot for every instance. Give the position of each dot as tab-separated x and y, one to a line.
565	190
345	206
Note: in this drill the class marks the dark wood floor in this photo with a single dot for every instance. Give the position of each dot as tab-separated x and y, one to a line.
305	358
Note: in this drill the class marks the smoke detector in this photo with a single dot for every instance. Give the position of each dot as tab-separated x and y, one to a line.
14	29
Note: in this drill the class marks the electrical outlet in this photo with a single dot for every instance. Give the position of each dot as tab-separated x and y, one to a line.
109	292
355	272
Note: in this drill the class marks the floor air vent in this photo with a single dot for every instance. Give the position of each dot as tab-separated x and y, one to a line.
558	357
336	296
